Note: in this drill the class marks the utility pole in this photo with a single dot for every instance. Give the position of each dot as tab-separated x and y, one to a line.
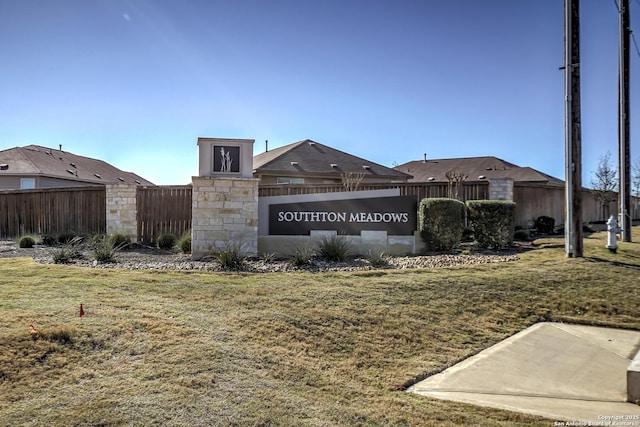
573	146
624	146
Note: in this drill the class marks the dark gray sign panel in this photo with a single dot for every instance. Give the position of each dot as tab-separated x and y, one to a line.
395	215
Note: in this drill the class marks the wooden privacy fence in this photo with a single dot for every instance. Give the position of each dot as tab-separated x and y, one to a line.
53	211
165	209
82	210
534	200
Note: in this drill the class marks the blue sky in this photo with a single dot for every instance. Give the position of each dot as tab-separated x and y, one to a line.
136	82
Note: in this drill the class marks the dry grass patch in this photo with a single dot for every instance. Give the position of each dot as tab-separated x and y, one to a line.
323	349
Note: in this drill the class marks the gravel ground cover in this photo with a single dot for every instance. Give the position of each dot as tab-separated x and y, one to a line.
150	258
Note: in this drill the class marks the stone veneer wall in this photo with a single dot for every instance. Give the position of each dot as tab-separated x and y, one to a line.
501	189
122	210
224	210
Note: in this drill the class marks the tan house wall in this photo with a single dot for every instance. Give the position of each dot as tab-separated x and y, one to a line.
273	179
10	183
43	182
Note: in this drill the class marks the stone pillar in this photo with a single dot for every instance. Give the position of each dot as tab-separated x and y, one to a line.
122	210
224	210
501	189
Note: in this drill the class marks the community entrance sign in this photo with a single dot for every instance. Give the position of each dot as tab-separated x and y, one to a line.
395	215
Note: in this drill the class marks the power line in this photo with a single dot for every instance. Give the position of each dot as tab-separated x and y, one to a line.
633	37
635	43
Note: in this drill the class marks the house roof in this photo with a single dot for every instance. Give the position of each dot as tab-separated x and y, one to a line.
312	158
36	160
476	169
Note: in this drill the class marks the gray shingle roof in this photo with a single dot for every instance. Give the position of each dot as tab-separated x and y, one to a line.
42	161
476	168
312	158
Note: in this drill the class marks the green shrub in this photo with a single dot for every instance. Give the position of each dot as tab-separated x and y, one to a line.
545	224
377	259
521	235
231	256
302	256
166	241
184	242
119	240
26	242
335	248
492	222
441	223
467	234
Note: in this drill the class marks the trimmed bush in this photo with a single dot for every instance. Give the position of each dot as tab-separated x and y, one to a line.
545	224
492	222
441	223
166	241
521	235
335	248
26	242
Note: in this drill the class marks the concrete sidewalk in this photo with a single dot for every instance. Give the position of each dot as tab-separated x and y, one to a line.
559	371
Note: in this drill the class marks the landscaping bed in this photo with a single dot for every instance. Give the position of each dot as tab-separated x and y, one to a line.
141	257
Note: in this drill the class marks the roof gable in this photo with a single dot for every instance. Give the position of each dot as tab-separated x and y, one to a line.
43	161
476	168
311	157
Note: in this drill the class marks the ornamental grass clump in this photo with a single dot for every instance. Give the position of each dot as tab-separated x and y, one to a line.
302	256
105	249
335	248
184	242
231	257
68	251
377	258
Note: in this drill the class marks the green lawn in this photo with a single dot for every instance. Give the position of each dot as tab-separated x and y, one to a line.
324	349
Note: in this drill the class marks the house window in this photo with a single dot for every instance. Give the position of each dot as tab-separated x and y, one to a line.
285	180
27	183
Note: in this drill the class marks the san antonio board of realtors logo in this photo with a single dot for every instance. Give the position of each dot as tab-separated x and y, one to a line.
226	159
395	215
